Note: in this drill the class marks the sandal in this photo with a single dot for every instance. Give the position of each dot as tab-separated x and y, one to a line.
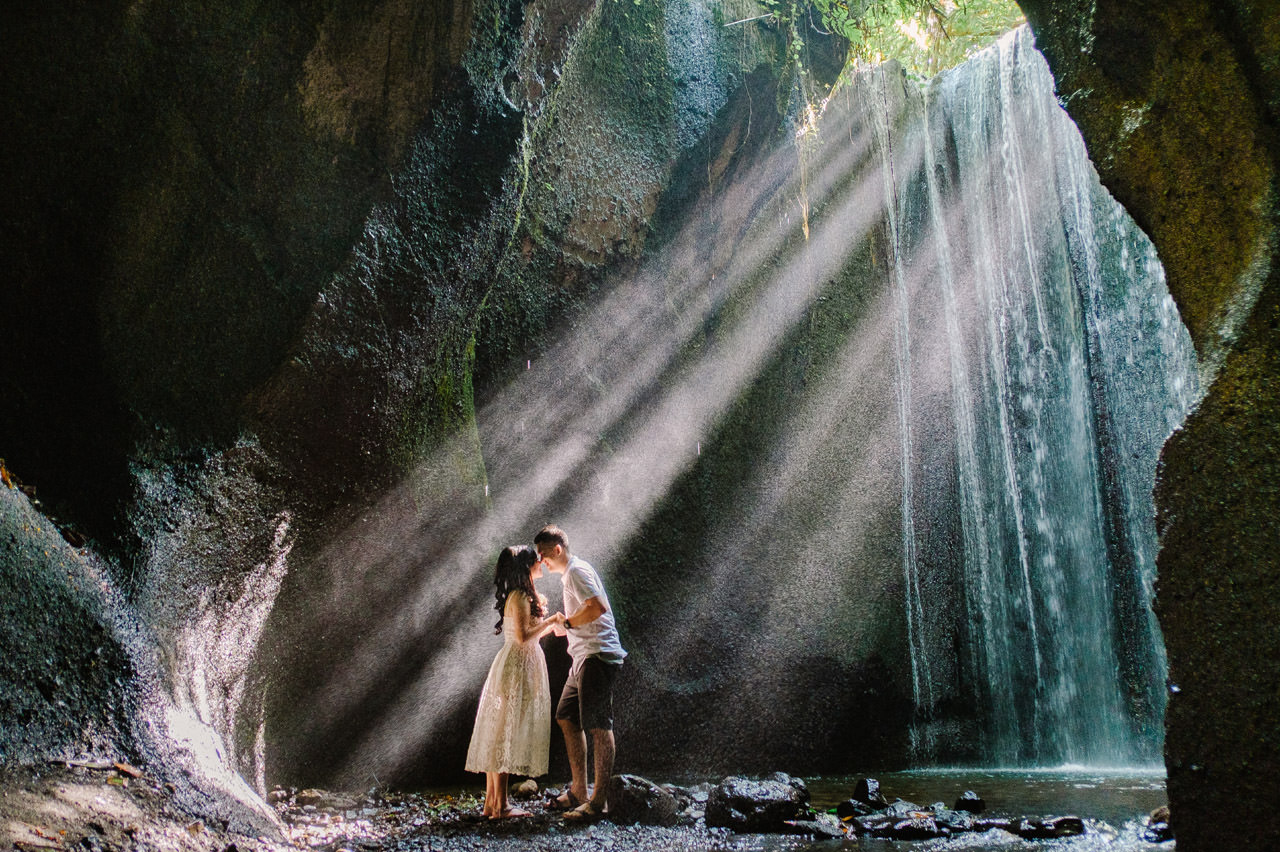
565	802
585	812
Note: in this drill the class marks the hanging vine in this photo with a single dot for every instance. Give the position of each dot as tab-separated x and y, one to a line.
926	36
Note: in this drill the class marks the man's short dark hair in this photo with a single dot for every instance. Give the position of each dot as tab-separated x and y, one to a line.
552	534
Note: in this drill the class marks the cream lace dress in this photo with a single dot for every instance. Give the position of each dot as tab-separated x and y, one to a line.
513	722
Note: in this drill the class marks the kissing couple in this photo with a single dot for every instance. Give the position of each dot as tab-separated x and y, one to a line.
513	721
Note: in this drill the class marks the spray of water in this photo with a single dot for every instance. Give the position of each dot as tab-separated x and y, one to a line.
962	389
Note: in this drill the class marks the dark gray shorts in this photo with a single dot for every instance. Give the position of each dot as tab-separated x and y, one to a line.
587	699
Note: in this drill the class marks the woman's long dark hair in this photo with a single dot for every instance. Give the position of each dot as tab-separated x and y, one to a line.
514	565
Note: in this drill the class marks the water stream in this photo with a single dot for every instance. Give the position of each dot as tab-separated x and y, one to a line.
1067	368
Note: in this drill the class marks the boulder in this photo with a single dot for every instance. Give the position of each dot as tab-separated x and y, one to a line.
748	805
526	789
633	799
971	802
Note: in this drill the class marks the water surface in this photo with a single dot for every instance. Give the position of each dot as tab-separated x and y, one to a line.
1113	803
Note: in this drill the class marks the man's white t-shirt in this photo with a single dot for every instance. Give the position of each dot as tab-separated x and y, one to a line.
599	638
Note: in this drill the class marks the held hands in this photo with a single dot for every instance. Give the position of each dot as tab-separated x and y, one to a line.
558	629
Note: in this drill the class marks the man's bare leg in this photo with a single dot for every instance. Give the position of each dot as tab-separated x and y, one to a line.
605	746
575	745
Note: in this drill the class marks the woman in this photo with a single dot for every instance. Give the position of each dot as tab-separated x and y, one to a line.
513	721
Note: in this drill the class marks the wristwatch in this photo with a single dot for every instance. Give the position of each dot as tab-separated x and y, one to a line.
567	625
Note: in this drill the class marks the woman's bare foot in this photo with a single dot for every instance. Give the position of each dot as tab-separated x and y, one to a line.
511	812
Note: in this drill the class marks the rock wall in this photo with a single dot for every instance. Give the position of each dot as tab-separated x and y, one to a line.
259	256
1178	105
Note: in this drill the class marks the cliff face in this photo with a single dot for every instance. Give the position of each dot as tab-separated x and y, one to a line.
1178	105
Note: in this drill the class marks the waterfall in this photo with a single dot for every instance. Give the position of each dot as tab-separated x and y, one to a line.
1067	368
921	682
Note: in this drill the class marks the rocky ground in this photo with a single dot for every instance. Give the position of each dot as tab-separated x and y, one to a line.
106	806
100	806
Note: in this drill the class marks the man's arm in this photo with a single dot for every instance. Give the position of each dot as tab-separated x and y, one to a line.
591	609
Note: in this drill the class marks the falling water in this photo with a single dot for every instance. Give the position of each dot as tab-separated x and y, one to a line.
1067	367
921	682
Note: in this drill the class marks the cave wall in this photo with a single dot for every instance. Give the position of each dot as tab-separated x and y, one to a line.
180	179
1178	104
261	261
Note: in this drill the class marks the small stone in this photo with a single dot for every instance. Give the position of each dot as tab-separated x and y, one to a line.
971	802
1030	828
1157	832
821	825
310	796
526	789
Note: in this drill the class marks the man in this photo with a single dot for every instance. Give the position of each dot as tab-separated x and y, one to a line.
586	704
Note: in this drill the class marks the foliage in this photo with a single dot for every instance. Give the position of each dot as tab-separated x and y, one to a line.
926	36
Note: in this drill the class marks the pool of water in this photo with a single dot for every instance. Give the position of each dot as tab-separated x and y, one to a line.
1113	803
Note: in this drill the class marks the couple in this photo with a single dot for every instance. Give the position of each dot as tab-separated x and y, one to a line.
513	721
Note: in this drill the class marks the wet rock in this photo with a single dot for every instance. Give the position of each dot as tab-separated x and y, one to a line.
1031	828
876	825
988	823
1157	828
633	799
853	808
683	796
747	805
954	820
918	827
902	808
971	802
867	790
820	825
526	789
